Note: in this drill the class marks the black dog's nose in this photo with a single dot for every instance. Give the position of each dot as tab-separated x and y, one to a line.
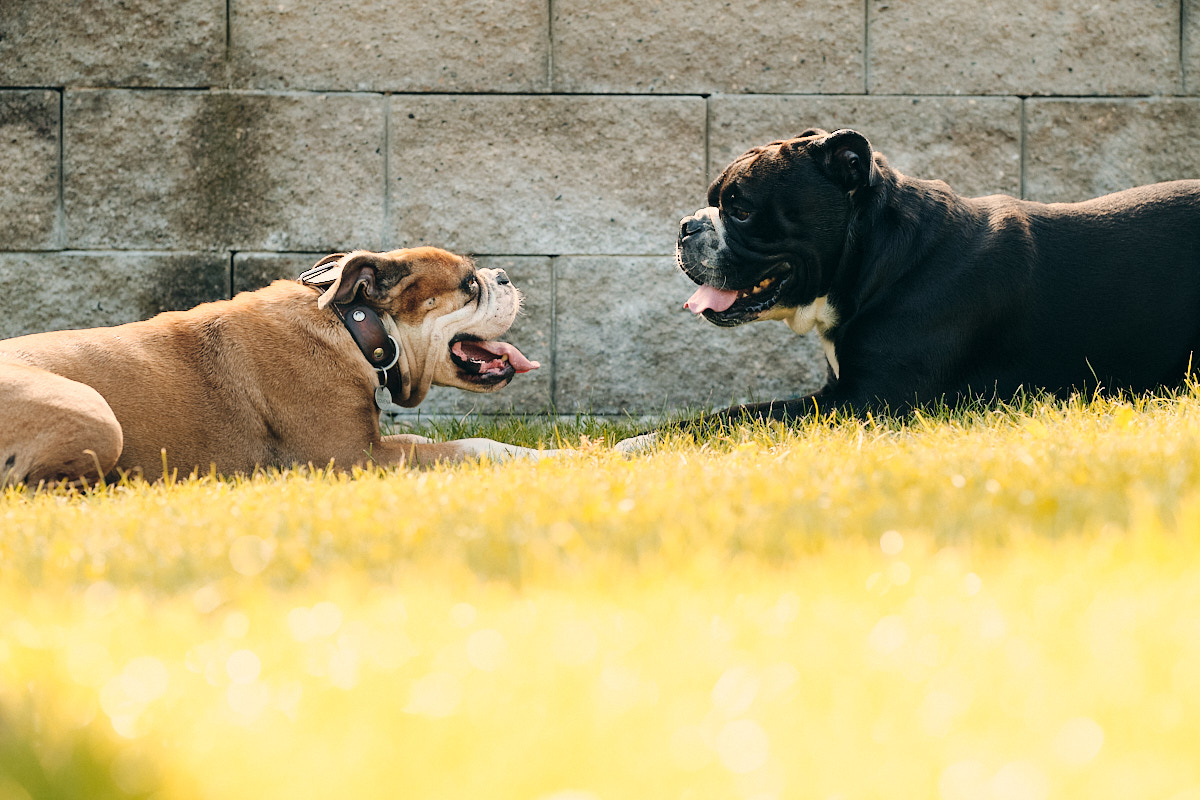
689	226
502	278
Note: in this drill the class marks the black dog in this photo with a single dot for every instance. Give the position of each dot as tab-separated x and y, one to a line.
921	297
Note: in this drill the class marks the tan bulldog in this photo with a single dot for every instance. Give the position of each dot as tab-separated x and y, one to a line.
294	373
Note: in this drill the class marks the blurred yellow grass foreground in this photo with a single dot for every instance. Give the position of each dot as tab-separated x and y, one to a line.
997	604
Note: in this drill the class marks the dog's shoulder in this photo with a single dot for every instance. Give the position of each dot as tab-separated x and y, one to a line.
282	309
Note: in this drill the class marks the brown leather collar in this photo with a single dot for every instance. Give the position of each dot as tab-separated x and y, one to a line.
380	348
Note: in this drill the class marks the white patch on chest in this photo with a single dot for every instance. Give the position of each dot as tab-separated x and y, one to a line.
823	317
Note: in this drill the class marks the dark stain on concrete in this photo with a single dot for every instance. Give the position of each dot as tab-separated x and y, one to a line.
255	270
29	136
179	282
34	111
228	203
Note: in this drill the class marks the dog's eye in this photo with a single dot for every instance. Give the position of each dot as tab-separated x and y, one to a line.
738	213
472	286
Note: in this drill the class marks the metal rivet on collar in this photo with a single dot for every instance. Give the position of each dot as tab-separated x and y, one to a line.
358	316
378	354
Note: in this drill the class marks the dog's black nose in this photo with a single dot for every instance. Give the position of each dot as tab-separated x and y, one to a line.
689	226
502	278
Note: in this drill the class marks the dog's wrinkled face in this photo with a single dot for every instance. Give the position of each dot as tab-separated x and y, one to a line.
446	314
771	236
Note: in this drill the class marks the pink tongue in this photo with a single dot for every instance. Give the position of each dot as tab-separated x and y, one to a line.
707	297
498	349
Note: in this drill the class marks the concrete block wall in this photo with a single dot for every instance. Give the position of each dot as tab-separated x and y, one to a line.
156	155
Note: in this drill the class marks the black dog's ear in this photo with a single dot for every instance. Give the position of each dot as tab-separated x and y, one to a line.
847	156
811	132
360	269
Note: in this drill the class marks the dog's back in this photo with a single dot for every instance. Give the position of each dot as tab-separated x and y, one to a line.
1110	287
202	382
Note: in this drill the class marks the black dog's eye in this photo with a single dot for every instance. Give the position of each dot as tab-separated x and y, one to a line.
738	213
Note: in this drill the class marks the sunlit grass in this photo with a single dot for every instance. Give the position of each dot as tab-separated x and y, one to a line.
987	604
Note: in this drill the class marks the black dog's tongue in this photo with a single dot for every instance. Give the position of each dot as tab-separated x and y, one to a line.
493	356
707	297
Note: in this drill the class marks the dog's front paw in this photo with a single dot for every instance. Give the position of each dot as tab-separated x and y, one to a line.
498	451
637	444
408	438
537	455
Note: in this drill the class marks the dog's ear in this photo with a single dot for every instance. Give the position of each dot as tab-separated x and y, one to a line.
360	270
848	159
811	132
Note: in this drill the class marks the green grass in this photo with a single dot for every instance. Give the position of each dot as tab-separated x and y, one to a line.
991	603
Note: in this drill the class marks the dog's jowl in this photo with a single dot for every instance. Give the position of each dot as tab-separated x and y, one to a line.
294	373
920	296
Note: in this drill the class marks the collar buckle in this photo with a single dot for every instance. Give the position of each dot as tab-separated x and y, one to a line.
379	348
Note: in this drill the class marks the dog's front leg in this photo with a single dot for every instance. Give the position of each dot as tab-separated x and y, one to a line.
779	410
407	438
420	451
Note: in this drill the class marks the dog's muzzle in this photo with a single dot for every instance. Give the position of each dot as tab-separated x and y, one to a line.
699	246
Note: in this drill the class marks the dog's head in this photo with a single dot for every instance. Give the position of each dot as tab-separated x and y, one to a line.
773	231
444	312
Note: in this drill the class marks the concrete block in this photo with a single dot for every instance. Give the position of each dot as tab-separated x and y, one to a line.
1078	149
1073	47
544	175
692	46
131	43
223	170
29	143
66	290
528	393
624	344
372	45
972	143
